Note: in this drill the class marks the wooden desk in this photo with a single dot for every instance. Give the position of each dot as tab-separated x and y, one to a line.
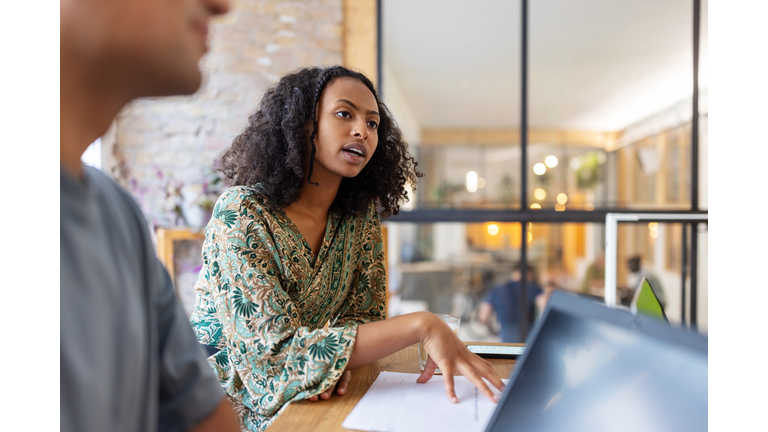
327	416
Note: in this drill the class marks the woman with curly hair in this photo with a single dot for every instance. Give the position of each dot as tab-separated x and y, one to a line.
291	295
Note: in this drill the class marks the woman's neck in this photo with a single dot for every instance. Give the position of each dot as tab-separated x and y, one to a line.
310	212
316	200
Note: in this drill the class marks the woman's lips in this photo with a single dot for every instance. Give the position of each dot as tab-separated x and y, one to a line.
354	152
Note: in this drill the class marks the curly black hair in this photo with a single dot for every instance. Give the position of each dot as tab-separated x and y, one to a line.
272	150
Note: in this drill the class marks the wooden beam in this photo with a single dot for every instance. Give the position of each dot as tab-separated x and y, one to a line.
511	136
359	45
165	239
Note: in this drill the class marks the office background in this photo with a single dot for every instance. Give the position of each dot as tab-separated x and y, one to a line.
523	153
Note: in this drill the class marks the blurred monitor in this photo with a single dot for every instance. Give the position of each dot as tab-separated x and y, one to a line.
591	368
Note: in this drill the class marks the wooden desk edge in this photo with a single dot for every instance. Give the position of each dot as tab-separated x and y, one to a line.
327	416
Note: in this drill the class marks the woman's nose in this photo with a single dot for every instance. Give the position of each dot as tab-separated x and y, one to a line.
360	131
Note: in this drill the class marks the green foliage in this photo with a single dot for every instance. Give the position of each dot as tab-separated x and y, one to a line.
443	194
588	173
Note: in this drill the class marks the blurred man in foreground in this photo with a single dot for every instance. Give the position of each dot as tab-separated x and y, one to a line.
129	360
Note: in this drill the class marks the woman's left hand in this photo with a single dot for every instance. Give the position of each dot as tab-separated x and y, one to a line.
341	387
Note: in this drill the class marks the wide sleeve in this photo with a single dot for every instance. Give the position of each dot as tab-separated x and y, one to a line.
270	359
367	299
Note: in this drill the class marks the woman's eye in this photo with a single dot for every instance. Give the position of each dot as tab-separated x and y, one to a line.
344	114
373	125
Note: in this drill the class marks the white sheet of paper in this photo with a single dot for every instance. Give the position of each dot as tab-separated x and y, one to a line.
397	403
381	403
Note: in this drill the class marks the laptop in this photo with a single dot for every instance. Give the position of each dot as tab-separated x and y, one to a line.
591	368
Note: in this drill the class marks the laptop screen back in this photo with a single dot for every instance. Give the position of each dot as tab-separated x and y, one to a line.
584	374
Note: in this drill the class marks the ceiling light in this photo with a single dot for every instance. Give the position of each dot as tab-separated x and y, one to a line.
472	182
493	229
539	169
551	161
562	198
536	206
540	194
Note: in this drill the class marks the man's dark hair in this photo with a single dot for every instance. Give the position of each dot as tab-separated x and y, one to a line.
272	150
518	266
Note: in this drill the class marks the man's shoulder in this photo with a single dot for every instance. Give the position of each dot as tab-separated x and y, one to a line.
99	180
496	290
104	184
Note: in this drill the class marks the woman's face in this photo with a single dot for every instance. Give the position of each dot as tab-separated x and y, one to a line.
347	129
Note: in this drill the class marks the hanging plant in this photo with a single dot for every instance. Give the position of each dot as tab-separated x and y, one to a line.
588	172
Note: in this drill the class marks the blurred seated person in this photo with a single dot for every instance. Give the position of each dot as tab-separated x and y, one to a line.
504	300
594	280
638	272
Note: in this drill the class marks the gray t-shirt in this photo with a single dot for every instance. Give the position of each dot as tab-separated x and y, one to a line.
129	359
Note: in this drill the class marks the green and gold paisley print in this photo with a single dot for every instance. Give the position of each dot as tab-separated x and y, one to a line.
264	300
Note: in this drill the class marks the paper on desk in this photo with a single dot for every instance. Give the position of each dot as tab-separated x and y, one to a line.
378	408
397	403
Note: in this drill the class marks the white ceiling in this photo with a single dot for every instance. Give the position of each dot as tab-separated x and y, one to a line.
593	64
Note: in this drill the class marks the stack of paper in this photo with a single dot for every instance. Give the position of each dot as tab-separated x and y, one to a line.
397	403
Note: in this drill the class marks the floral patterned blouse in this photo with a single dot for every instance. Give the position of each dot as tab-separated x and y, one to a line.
264	300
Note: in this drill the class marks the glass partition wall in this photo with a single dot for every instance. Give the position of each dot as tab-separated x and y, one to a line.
530	122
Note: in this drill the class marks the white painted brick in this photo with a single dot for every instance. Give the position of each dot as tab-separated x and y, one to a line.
250	48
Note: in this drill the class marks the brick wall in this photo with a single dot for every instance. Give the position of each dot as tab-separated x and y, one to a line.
162	149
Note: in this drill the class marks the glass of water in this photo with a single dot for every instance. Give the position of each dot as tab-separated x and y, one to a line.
454	323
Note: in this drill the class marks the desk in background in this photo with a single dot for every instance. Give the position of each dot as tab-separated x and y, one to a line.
327	416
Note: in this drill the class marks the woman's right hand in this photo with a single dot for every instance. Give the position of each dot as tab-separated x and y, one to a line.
379	339
446	351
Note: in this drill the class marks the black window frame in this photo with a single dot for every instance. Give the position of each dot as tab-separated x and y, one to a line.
598	215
